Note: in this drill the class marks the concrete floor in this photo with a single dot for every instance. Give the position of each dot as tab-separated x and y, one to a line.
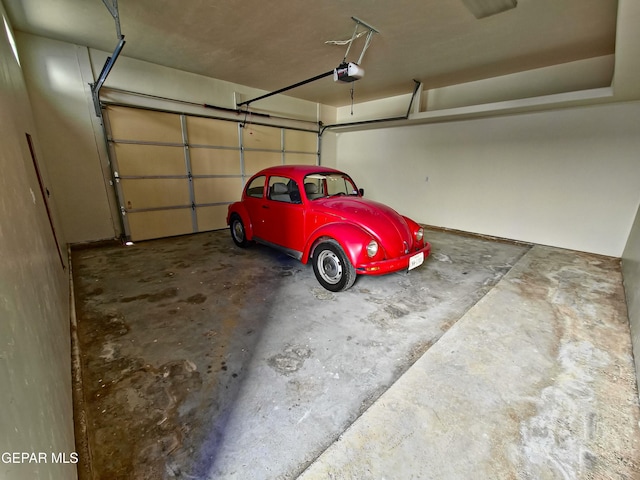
201	360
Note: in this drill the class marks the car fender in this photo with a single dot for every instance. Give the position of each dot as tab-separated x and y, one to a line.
239	209
352	238
412	224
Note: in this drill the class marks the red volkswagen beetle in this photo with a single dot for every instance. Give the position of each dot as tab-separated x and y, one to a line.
318	214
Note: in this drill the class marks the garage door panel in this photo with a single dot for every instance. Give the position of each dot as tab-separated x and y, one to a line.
145	160
155	193
259	136
215	161
295	140
216	190
300	158
256	161
166	190
212	218
160	223
144	125
208	131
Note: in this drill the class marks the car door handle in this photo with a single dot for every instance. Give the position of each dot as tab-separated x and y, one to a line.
265	206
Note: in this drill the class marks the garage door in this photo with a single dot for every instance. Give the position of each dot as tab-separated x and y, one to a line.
176	174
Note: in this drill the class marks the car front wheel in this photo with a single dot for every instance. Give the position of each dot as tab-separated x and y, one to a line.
332	267
238	233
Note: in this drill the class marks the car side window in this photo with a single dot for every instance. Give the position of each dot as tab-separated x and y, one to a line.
282	189
256	187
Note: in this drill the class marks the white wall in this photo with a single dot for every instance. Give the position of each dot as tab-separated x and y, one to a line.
631	274
328	150
58	75
36	413
60	98
148	78
563	177
587	74
571	81
566	178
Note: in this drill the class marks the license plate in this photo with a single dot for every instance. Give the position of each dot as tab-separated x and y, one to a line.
416	260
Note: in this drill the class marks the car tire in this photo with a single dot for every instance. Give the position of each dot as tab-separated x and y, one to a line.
238	232
332	267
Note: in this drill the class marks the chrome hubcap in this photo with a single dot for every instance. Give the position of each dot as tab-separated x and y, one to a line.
238	231
330	267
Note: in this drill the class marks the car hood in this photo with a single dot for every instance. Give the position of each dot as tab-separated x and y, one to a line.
383	222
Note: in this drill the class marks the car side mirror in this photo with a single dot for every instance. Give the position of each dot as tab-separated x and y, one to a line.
361	192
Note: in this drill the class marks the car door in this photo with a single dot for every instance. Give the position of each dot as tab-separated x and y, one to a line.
283	214
253	201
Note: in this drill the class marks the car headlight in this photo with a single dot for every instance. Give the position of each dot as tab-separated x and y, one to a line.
420	234
372	248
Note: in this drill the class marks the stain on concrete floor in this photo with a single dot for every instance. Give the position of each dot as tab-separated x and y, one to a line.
536	381
203	360
164	336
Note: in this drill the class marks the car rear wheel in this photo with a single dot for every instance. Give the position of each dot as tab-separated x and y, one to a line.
332	267
238	233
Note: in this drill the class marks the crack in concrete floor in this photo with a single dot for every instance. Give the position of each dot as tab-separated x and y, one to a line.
202	360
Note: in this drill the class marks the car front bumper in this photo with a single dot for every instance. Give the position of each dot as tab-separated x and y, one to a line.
392	264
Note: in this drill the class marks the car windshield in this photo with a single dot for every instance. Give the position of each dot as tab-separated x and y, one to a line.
320	185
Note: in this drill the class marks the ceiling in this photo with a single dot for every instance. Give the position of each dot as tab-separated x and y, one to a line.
271	45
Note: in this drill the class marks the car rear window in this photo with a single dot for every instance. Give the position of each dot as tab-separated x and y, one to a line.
256	187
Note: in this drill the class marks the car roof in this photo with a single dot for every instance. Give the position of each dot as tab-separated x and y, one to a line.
296	170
